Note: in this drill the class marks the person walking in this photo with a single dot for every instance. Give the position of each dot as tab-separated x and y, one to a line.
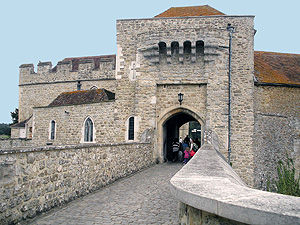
175	148
187	155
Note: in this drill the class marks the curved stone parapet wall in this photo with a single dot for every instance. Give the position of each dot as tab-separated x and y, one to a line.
35	180
209	189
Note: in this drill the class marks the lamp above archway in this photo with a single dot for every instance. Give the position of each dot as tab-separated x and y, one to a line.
180	97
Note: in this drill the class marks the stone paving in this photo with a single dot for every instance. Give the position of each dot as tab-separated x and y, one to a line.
143	198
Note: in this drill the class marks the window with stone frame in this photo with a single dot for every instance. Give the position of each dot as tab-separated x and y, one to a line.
88	130
52	130
131	128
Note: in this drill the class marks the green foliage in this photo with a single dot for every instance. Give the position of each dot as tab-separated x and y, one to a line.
287	183
3	136
4	130
15	116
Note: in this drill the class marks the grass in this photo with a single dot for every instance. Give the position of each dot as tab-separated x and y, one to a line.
3	136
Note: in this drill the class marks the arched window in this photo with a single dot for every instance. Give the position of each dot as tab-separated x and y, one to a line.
162	52
175	51
94	88
187	50
199	50
88	130
52	130
131	128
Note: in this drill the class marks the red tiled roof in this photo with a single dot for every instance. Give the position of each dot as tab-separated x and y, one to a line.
96	59
204	10
83	97
281	68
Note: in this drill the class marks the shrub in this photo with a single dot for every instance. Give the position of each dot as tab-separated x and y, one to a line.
287	182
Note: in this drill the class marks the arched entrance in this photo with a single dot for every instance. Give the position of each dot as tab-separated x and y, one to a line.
169	129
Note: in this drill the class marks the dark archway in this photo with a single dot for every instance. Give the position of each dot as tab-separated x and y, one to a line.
171	131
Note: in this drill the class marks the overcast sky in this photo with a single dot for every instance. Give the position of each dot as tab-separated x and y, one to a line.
33	31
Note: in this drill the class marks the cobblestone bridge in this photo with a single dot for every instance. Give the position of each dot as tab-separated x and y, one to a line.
143	198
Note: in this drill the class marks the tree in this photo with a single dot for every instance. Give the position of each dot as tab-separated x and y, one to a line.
4	129
15	116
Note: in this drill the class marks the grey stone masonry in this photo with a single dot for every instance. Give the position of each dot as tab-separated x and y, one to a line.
277	130
42	87
142	71
68	133
35	180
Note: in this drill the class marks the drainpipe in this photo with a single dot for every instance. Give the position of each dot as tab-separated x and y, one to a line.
231	30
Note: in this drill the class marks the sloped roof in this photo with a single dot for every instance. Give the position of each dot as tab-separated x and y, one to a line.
21	124
273	67
83	97
204	10
96	59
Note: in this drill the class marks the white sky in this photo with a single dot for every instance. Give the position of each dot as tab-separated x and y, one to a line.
35	30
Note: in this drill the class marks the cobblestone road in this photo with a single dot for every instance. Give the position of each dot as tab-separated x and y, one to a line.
143	198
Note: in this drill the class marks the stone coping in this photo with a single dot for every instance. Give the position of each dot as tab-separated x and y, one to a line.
208	183
63	147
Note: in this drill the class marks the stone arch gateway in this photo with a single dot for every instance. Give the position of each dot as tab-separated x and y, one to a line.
168	128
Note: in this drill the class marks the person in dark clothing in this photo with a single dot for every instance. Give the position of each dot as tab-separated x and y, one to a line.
175	148
187	140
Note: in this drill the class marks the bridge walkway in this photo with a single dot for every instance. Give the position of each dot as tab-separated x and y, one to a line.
143	198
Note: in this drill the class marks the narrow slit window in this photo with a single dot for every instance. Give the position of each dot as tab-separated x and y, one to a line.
52	130
131	128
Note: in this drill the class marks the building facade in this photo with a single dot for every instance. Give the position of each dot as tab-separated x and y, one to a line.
128	96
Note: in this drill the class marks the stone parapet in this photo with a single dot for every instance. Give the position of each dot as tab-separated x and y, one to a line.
208	188
67	70
14	143
35	180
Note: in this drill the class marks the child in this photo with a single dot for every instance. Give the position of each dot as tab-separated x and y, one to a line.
187	155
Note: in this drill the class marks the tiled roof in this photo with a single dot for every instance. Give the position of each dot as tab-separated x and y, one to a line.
83	97
96	59
204	10
280	68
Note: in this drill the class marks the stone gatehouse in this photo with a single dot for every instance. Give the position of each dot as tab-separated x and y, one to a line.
126	97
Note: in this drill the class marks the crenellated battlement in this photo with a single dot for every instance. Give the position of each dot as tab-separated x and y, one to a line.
69	69
27	67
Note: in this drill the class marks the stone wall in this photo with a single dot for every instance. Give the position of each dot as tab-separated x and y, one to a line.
36	95
194	98
69	123
189	215
277	130
14	143
35	180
